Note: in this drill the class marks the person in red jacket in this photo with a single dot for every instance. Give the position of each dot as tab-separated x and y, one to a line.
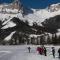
40	50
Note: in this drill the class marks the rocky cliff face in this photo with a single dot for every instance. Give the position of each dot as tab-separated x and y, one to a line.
54	7
16	5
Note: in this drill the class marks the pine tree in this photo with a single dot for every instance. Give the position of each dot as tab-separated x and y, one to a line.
48	40
58	40
27	22
42	40
54	39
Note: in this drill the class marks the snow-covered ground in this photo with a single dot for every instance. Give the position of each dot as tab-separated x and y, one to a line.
20	52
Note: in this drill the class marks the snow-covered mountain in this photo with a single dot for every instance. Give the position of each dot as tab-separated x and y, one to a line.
32	15
54	7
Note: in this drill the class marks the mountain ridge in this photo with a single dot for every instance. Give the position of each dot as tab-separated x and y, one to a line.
12	21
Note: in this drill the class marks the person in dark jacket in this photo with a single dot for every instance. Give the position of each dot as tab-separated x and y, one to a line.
53	51
29	49
45	51
59	52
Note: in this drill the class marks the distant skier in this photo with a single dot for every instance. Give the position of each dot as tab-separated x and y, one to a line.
53	51
59	52
45	51
29	49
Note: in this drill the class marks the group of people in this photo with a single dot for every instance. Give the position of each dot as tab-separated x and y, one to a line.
43	51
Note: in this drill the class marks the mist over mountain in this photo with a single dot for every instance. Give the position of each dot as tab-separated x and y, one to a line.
36	4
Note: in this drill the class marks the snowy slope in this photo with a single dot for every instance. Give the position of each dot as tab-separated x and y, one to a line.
41	14
37	16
